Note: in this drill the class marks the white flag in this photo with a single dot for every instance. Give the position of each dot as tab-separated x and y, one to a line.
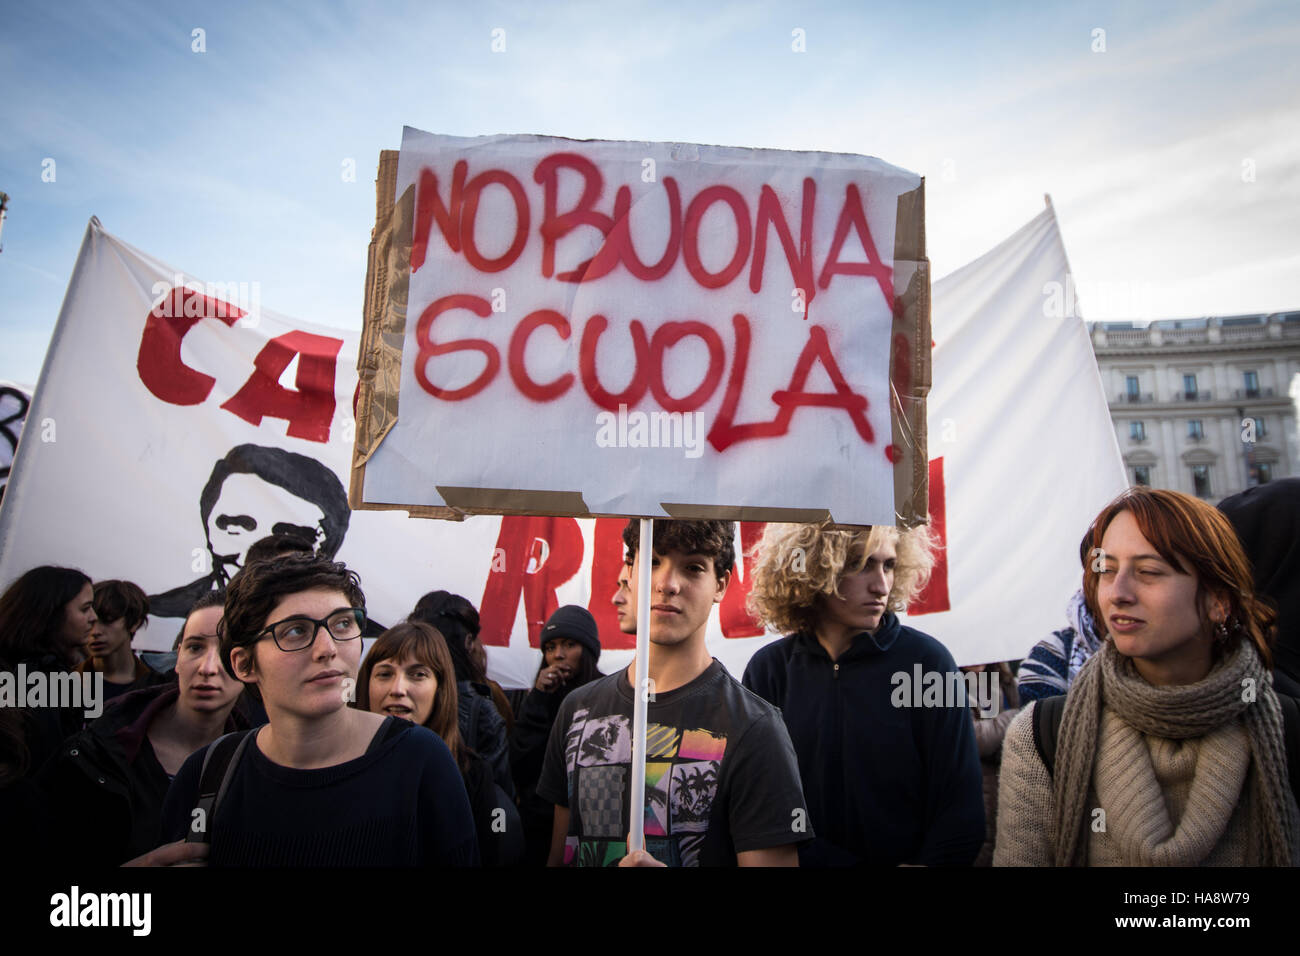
1018	417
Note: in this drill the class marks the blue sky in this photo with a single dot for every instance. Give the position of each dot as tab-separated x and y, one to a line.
228	163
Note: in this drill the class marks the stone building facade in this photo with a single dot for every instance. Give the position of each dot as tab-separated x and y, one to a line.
1204	406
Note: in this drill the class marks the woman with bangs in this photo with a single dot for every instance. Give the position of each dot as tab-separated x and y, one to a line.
409	673
1170	748
891	776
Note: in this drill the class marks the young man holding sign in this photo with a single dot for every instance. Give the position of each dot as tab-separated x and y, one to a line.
722	781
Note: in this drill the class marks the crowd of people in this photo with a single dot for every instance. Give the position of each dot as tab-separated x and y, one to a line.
1160	726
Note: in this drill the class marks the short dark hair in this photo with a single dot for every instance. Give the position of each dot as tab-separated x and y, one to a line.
717	539
121	600
457	620
274	545
206	600
299	475
32	613
257	589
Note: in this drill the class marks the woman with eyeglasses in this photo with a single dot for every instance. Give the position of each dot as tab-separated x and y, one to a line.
322	783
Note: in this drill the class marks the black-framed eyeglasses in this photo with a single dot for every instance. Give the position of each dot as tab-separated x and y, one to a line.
298	633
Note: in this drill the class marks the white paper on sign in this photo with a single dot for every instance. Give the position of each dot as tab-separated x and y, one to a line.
725	294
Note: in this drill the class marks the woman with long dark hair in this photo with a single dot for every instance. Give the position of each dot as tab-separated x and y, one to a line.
46	618
1169	749
408	673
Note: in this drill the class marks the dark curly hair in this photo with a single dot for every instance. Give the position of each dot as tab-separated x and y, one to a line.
253	594
716	539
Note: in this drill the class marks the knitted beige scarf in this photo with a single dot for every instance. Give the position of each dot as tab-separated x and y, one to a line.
1211	709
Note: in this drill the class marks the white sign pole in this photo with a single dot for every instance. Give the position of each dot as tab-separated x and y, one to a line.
643	688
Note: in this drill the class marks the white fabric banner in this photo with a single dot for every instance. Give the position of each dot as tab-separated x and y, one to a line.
1021	437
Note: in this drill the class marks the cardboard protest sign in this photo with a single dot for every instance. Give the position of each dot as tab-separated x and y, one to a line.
559	327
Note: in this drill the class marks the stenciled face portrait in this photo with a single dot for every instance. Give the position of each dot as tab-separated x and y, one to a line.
247	510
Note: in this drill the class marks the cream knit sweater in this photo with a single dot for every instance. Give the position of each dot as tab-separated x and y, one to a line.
1152	801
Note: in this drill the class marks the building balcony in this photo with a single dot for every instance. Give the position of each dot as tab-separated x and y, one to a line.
1253	393
1135	398
1129	337
1201	396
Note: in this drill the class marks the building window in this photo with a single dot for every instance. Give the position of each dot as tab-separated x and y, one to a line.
1260	430
1194	429
1263	472
1131	387
1137	431
1201	480
1252	384
1141	474
1189	387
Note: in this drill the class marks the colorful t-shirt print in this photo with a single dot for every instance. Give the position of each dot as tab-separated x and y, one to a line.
721	775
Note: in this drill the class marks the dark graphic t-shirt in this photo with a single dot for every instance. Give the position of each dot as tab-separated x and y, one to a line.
721	774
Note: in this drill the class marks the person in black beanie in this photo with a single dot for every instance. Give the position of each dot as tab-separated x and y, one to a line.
570	649
1267	520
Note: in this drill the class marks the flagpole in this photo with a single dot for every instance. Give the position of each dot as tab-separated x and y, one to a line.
641	692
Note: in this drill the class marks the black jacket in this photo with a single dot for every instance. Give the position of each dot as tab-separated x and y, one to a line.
528	740
886	781
108	780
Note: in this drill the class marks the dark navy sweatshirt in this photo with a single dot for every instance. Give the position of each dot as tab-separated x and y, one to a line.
886	781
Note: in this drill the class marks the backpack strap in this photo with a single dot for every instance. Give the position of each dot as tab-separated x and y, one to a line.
1047	726
218	769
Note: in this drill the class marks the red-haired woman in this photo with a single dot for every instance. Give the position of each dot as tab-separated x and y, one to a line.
1170	750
